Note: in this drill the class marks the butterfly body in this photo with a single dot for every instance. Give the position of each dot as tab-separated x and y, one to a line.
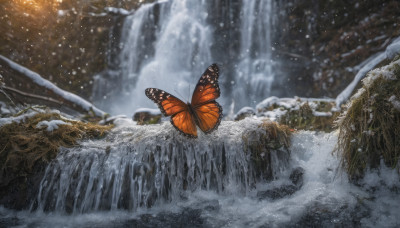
203	111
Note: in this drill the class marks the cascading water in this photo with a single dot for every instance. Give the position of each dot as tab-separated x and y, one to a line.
137	166
169	44
254	74
165	45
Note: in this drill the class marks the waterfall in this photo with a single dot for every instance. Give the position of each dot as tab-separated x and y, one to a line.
139	166
169	44
254	74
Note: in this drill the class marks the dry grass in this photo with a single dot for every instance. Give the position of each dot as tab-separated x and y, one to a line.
369	131
23	145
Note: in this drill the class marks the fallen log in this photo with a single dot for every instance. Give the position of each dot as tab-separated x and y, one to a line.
22	82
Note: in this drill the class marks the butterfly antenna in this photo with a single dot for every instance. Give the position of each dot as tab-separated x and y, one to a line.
189	94
181	97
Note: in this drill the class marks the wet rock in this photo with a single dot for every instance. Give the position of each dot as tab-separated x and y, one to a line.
285	190
147	116
19	193
297	176
318	215
187	218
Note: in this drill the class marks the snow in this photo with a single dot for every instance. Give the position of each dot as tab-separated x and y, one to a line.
3	109
112	119
285	102
291	104
274	114
117	10
390	52
327	114
245	110
17	119
51	125
393	49
346	93
50	86
151	111
395	102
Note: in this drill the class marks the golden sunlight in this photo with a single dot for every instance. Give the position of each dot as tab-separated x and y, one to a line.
37	4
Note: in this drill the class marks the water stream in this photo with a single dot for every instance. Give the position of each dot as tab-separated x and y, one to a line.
201	183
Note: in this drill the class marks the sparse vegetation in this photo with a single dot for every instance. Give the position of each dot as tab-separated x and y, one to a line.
305	119
370	127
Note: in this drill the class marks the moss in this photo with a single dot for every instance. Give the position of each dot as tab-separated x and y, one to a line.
369	130
24	145
304	118
145	118
260	144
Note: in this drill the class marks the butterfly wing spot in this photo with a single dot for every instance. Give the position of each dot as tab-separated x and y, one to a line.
168	104
207	88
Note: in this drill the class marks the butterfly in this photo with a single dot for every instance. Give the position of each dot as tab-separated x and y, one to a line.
203	110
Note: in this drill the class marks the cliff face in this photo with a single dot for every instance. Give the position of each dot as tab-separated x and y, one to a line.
323	43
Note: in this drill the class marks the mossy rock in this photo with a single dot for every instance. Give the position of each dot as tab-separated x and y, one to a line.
26	149
260	145
305	118
147	117
300	113
370	127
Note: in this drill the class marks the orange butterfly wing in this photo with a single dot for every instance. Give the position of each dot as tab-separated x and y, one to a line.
169	105
204	110
209	116
207	88
208	112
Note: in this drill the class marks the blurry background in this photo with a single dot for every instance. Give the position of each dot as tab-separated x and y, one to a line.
109	51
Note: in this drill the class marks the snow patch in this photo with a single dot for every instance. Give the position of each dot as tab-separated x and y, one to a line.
395	102
151	111
51	125
17	119
393	49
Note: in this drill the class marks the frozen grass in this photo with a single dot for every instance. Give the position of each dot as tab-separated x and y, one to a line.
25	142
369	129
